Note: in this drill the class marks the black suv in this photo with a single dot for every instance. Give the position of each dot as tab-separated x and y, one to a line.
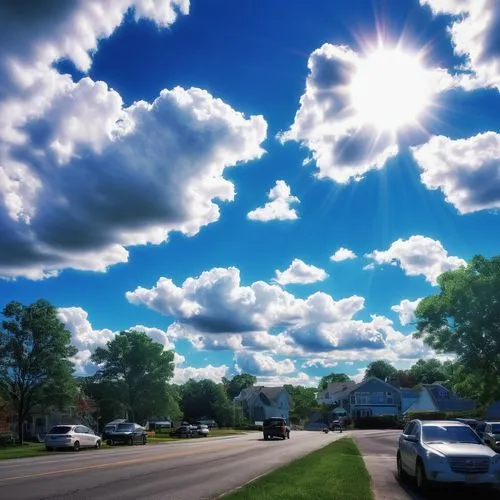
276	427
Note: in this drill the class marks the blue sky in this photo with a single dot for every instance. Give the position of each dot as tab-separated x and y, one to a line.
262	185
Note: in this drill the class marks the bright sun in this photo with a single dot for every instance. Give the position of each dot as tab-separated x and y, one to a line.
390	89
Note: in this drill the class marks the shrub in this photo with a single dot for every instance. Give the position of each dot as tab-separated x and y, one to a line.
379	422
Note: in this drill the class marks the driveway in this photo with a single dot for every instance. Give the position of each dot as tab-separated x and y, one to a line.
379	448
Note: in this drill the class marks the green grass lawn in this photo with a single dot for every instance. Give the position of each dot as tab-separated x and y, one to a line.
335	472
22	451
163	438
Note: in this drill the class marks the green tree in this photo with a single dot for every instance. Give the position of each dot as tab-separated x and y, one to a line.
332	378
35	368
464	319
380	369
134	373
238	383
205	398
429	371
303	402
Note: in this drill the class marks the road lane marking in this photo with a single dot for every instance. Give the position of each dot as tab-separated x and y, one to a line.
114	464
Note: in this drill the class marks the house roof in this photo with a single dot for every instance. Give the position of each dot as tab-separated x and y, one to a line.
450	403
270	393
334	387
369	379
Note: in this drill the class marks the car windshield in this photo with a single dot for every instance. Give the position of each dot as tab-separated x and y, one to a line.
125	427
60	429
495	428
449	434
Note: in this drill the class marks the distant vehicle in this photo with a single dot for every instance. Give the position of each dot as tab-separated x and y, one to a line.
492	435
203	430
445	452
108	430
337	425
73	437
210	423
275	427
157	425
127	433
185	431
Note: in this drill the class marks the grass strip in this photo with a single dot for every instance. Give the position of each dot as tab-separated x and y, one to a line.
335	472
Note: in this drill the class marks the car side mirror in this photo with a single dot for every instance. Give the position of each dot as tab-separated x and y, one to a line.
411	438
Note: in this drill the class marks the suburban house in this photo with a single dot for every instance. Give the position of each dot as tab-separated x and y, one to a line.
259	402
374	397
336	393
436	397
408	398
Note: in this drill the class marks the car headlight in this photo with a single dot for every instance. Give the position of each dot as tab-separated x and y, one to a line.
496	459
435	457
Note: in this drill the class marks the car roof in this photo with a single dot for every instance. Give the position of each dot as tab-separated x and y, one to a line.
492	421
449	423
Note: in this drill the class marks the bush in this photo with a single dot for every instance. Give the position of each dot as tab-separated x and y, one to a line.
7	438
381	422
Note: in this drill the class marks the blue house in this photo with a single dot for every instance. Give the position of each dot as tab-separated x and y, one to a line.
374	397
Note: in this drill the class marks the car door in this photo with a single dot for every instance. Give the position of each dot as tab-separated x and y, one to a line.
413	448
403	445
80	435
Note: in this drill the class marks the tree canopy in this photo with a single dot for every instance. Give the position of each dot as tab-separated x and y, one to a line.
205	398
332	378
35	368
238	383
303	402
381	369
427	371
464	319
134	374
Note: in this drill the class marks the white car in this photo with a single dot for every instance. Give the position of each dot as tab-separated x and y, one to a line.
445	452
71	436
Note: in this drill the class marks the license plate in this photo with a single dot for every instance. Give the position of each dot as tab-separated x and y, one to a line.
471	478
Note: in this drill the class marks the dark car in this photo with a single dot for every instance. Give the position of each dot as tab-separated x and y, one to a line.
107	431
275	427
127	433
184	431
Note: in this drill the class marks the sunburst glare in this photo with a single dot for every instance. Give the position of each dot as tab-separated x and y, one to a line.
390	89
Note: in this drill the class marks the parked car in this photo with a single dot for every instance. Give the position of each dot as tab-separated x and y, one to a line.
275	427
128	433
72	437
445	452
185	431
203	430
492	435
108	430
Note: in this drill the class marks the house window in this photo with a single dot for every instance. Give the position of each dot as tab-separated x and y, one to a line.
390	398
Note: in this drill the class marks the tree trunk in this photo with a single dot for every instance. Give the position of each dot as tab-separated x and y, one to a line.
20	429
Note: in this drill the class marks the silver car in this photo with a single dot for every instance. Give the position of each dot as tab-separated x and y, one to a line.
491	435
74	437
445	452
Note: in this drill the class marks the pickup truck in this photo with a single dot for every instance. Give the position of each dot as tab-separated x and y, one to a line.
275	427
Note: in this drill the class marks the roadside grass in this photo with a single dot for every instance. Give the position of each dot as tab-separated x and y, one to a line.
38	449
22	451
335	472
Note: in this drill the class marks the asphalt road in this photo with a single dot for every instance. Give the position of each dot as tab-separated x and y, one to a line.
379	449
192	469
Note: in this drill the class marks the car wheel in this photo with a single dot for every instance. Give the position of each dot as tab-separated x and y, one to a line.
98	444
266	437
143	440
421	478
76	446
130	441
399	467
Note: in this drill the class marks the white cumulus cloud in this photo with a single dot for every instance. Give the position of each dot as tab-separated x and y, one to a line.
406	310
262	364
342	254
418	256
474	30
467	171
300	273
279	205
72	156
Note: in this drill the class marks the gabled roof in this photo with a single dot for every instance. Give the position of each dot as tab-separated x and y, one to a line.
450	403
370	379
271	394
335	387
